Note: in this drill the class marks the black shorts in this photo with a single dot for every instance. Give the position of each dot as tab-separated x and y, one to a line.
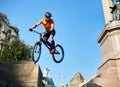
47	35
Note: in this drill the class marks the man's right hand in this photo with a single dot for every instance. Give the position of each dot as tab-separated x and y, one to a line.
30	29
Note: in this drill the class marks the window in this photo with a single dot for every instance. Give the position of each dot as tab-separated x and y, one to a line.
8	35
9	31
0	27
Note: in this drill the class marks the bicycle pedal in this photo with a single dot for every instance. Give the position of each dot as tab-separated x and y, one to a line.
56	52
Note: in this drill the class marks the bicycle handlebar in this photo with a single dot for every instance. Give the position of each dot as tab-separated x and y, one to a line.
38	32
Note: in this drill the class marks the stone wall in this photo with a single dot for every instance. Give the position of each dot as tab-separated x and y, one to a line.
20	74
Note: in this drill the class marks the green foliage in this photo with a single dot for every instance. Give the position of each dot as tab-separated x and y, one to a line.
16	51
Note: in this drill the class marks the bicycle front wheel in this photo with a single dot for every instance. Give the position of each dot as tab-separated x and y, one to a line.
59	55
36	52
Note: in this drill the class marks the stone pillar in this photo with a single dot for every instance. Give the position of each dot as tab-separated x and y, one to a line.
109	71
110	41
107	11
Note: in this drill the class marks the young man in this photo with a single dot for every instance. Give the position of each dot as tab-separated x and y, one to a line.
48	24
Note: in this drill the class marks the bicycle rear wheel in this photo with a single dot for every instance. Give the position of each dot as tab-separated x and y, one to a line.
36	52
59	55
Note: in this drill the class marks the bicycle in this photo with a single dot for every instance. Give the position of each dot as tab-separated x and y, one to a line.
36	53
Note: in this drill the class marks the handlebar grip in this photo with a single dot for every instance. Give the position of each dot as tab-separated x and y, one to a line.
30	29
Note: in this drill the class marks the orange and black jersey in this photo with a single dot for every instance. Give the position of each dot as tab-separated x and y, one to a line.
46	24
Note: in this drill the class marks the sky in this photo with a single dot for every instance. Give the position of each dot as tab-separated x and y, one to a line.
78	25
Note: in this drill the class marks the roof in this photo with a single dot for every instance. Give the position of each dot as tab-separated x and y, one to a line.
77	78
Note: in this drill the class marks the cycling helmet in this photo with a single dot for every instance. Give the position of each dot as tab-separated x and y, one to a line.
48	14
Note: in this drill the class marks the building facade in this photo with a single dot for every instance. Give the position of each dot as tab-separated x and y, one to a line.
77	80
7	32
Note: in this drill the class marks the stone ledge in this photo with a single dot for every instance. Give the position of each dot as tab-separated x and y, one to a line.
20	74
107	61
112	26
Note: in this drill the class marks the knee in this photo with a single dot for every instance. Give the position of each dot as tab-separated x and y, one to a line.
44	39
51	38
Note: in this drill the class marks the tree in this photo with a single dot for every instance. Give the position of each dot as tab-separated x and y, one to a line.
16	51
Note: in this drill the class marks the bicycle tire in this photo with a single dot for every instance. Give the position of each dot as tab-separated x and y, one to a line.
36	52
60	57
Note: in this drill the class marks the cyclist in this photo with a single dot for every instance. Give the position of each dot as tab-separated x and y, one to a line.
48	24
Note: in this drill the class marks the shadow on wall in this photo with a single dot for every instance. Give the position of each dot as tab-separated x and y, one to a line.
8	76
91	85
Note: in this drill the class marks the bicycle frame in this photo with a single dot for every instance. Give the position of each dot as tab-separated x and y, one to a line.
41	40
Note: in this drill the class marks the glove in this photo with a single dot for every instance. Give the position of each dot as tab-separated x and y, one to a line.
30	29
